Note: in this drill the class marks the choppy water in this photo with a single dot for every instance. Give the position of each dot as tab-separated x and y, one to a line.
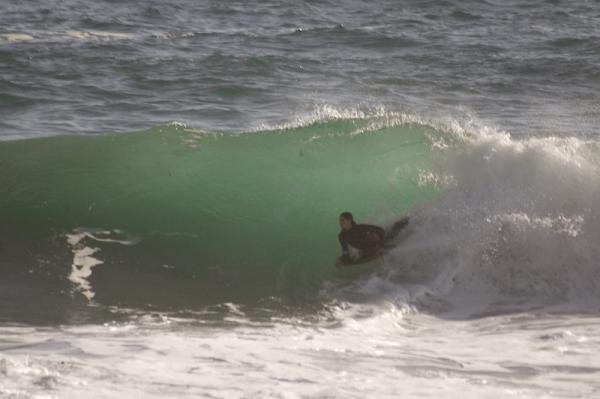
175	236
78	67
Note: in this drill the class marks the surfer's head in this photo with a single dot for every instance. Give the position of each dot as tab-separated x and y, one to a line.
346	220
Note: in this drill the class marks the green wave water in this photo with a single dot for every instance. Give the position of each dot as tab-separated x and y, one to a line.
214	217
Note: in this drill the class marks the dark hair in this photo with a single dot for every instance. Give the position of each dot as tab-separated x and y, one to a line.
348	216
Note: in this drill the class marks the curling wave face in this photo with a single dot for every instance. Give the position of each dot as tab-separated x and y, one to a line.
177	218
214	218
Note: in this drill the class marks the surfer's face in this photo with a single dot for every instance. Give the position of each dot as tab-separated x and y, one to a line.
345	224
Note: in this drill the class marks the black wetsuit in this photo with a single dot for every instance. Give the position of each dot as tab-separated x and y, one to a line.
364	237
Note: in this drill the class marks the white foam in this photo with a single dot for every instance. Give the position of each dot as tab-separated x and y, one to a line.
83	259
516	222
83	262
391	355
15	37
323	113
96	34
62	36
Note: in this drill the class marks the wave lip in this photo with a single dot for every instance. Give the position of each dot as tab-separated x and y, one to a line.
218	218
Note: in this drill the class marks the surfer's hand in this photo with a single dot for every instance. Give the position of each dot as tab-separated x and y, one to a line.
343	260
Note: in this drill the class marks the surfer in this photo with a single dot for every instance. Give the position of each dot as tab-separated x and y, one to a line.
368	239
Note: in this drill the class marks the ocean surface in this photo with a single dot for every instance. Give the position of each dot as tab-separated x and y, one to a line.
171	174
